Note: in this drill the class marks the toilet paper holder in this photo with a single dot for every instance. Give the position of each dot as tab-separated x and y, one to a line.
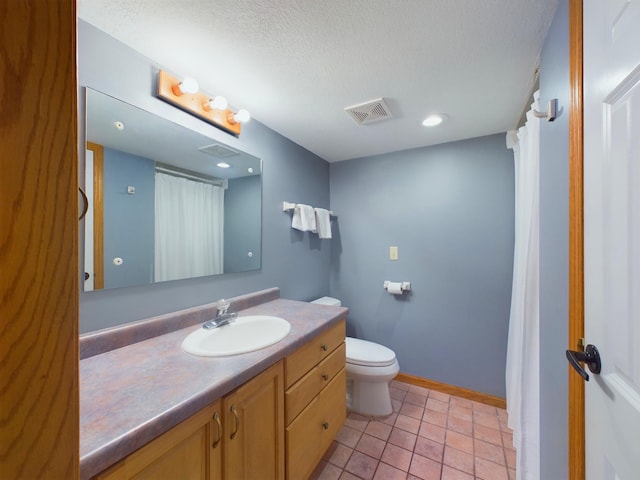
404	286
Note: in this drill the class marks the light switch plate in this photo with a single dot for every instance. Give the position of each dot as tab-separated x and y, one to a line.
393	253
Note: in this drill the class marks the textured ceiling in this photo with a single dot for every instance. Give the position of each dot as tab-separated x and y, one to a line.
297	64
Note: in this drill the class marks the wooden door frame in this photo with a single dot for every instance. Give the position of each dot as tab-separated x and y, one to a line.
98	214
576	467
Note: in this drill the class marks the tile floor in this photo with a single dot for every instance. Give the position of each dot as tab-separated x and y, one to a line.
429	435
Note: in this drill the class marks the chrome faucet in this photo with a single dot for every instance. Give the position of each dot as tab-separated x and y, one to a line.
222	317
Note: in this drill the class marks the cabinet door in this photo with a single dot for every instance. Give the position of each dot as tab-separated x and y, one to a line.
254	428
188	451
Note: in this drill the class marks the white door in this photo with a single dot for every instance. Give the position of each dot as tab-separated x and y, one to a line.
612	236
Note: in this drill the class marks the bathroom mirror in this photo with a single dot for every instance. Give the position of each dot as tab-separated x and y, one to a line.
166	203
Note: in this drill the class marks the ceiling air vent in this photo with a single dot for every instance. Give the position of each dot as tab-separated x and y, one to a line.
219	150
369	112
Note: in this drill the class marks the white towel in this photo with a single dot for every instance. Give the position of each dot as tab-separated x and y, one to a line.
303	218
323	222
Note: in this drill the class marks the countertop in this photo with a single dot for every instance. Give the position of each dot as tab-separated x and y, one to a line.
131	395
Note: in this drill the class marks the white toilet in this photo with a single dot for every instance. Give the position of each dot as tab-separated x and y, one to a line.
370	367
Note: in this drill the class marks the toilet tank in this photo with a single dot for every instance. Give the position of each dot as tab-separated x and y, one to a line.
334	302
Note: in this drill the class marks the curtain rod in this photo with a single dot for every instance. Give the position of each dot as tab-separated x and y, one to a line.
177	173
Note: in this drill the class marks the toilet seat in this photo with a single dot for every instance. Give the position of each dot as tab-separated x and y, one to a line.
368	354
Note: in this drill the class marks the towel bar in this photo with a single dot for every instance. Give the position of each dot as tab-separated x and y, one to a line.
286	206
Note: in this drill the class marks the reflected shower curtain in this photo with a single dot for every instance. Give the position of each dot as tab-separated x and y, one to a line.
523	350
189	221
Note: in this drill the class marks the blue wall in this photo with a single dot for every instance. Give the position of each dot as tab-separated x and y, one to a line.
298	264
128	219
242	224
554	256
450	210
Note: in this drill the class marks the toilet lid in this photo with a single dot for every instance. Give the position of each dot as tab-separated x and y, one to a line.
361	352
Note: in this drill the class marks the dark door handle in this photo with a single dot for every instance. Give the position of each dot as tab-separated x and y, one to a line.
591	358
85	204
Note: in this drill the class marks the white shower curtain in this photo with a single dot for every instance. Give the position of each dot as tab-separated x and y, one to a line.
523	350
189	219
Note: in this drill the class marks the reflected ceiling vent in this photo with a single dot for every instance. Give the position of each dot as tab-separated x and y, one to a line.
219	150
369	112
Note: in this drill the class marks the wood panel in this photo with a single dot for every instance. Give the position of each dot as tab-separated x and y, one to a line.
39	283
452	390
185	451
576	234
255	412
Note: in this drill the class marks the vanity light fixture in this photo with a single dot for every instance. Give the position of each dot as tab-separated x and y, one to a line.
184	94
434	120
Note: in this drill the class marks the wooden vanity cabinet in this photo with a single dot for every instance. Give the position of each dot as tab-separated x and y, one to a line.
190	450
315	399
238	437
277	424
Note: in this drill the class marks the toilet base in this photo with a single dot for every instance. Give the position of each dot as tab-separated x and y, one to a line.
369	398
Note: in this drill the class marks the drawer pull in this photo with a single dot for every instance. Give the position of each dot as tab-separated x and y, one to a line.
216	418
325	376
325	425
236	420
324	347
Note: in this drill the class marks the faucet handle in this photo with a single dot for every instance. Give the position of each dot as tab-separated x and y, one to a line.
222	305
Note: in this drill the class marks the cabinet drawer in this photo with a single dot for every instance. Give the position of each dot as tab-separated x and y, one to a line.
311	433
308	356
302	392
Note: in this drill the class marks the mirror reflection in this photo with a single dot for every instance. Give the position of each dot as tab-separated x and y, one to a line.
168	202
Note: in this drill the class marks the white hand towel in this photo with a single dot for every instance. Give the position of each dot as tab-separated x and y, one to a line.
323	222
303	218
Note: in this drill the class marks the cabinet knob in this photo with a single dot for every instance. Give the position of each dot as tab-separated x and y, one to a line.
325	376
325	425
324	347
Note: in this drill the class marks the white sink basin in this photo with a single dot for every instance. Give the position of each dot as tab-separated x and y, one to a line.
244	334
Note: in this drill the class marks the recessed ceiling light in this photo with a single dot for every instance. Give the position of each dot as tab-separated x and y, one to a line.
119	125
433	120
223	165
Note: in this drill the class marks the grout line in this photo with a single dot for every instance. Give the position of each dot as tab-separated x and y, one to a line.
412	451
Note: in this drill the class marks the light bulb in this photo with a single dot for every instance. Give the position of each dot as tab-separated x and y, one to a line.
216	103
188	85
242	116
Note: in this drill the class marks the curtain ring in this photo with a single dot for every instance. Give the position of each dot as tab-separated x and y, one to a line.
85	200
